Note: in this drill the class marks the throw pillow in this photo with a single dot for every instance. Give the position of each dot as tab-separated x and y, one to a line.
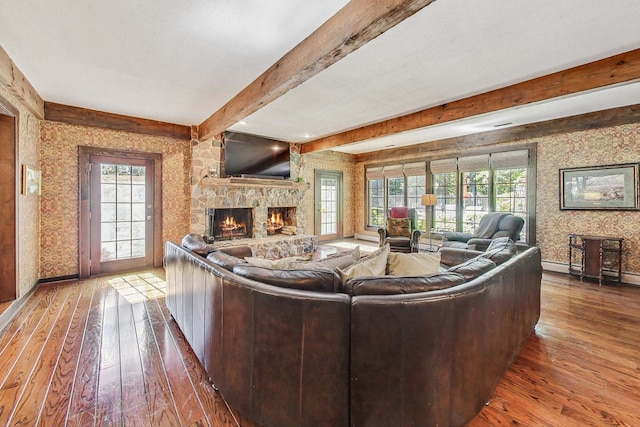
399	212
374	266
196	243
399	227
413	264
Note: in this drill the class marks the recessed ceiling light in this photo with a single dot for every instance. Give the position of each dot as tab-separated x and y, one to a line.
306	135
242	122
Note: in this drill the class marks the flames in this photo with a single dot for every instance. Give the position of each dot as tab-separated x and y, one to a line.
274	222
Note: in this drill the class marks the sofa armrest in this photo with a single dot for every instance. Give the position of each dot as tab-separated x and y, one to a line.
415	240
456	236
454	256
239	251
382	233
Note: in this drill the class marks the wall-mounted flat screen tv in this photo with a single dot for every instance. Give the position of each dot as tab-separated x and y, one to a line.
255	156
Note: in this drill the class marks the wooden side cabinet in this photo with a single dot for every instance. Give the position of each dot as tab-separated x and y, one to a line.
596	257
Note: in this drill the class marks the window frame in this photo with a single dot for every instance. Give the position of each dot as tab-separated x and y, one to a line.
528	232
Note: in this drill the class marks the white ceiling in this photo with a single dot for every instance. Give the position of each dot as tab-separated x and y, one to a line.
180	61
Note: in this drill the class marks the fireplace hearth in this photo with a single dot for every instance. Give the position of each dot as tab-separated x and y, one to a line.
232	223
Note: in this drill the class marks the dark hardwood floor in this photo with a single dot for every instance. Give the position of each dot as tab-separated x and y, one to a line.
98	352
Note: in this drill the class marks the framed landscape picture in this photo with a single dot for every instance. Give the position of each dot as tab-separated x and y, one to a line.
30	180
611	187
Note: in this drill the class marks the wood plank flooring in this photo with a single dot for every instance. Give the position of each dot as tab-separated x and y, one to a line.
85	353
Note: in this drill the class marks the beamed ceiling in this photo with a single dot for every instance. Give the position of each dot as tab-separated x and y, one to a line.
356	77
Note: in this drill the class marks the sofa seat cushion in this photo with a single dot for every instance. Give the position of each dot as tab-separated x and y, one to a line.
195	243
225	260
413	264
473	268
390	285
319	280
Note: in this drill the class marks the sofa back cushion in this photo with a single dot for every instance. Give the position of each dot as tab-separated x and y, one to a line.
195	243
500	250
225	260
473	268
389	285
319	279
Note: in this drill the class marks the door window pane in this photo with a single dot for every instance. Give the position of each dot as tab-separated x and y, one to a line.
122	222
329	203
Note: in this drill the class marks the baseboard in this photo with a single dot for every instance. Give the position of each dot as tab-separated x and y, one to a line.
59	278
367	237
561	267
15	307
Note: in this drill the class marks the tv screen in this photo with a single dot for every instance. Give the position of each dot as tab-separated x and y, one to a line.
255	156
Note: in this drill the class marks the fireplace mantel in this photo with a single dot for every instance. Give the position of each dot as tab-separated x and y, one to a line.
253	182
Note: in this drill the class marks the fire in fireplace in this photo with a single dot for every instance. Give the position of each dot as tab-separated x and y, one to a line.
281	220
233	223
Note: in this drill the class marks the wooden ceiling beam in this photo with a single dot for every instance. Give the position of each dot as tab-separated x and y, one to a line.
598	119
85	117
16	82
359	22
618	69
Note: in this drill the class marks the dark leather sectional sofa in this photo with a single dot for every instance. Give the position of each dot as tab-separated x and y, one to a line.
366	354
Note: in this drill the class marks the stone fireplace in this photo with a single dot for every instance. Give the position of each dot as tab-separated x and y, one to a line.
272	205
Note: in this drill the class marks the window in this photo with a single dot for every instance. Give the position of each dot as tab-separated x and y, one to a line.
475	199
395	192
392	186
445	211
416	187
510	188
466	189
376	202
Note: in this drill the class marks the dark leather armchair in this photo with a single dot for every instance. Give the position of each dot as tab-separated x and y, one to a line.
492	226
401	238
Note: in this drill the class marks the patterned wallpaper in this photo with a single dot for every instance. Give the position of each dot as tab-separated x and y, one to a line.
59	202
28	205
620	144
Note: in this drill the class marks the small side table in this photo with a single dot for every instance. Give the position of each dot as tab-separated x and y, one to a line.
600	257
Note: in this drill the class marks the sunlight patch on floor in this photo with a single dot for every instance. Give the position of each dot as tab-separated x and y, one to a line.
139	287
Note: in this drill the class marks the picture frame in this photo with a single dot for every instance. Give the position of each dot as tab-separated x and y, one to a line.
608	187
31	180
